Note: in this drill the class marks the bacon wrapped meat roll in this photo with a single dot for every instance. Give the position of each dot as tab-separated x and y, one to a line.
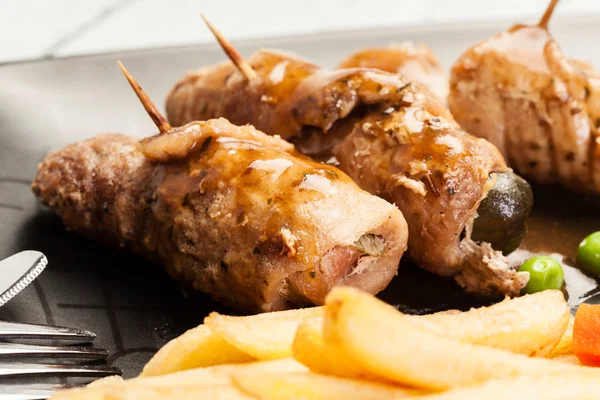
415	62
395	139
542	110
229	210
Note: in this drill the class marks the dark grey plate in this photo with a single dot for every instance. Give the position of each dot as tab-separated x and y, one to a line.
131	304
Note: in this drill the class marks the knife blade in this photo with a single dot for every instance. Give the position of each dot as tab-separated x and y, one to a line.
18	271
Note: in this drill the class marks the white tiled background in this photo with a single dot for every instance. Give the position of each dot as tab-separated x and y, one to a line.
45	28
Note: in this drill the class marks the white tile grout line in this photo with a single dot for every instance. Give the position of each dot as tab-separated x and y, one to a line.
90	24
135	24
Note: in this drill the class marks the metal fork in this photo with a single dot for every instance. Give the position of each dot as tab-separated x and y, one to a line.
11	353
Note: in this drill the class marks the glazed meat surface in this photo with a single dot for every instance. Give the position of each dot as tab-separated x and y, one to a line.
393	137
519	91
228	210
415	62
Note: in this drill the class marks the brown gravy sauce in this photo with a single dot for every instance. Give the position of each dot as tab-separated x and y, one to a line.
559	222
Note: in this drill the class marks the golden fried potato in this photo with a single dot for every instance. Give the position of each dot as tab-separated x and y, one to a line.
310	349
386	343
565	345
309	385
109	380
224	339
198	347
220	374
530	325
567	359
264	336
190	380
214	392
548	387
215	375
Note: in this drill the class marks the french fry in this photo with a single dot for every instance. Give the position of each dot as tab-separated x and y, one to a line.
214	392
193	380
549	387
567	359
565	345
517	325
530	325
310	349
220	374
309	385
263	336
215	375
385	343
225	339
198	347
109	380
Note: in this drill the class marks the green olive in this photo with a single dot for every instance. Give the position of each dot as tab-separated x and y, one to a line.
503	213
588	253
545	273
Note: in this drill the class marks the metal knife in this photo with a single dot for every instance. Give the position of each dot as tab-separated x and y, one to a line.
18	271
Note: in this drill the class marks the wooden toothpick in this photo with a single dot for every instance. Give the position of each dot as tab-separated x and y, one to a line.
548	14
232	53
161	122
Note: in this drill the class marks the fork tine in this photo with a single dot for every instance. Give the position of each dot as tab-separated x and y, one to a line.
29	392
38	386
13	330
14	349
26	394
21	369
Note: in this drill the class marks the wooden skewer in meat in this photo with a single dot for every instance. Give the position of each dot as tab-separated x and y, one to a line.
415	62
394	139
161	122
235	57
229	210
541	109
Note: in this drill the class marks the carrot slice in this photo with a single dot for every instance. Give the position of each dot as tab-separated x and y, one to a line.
586	334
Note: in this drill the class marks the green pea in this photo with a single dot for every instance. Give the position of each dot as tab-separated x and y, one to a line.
545	273
588	254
